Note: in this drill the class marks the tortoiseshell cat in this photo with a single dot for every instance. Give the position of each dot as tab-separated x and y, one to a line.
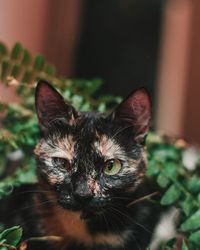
90	167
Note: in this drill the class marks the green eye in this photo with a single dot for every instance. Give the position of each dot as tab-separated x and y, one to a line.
112	167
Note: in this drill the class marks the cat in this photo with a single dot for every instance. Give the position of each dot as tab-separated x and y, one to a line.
91	173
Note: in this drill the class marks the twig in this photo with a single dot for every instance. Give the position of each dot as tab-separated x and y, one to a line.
23	244
8	246
143	198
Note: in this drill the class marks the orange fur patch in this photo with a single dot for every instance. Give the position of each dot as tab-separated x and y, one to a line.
68	225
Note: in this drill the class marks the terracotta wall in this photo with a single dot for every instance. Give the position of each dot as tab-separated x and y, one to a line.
43	26
173	67
52	28
178	95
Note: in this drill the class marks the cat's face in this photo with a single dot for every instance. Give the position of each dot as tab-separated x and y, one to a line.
89	160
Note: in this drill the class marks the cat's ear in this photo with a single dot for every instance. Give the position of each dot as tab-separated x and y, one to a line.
135	112
50	106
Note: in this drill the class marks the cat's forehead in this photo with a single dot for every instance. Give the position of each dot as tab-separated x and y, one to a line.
90	135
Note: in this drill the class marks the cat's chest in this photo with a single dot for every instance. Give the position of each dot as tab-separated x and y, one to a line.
70	228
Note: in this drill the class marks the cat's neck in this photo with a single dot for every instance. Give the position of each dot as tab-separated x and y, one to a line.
71	228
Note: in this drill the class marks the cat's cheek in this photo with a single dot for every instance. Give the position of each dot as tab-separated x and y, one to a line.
52	175
108	183
56	179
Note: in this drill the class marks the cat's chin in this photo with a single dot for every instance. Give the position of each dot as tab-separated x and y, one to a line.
75	207
86	213
90	215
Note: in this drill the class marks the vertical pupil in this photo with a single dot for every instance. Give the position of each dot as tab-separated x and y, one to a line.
110	165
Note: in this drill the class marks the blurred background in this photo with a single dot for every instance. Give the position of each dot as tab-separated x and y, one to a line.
128	43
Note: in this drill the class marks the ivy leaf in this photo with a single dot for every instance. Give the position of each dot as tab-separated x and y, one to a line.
39	62
195	238
192	222
187	205
50	70
198	197
162	180
26	57
153	168
166	153
3	49
102	107
16	51
11	236
170	170
184	246
194	184
171	195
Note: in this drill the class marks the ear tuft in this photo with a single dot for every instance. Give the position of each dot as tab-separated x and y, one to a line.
135	111
51	106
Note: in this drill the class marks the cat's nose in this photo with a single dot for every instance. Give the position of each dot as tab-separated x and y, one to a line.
83	197
82	192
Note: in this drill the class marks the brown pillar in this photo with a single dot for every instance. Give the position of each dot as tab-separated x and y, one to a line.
192	103
173	67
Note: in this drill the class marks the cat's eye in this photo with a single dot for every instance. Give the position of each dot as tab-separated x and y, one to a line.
61	162
112	167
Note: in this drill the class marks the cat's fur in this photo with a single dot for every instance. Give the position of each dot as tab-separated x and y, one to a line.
75	199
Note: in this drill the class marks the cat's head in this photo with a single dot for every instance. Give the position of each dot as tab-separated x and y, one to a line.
89	160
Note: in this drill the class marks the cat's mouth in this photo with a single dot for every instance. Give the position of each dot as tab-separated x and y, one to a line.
89	214
89	210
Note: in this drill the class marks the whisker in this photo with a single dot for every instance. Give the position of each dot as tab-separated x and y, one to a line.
123	224
31	216
33	191
35	205
106	221
132	220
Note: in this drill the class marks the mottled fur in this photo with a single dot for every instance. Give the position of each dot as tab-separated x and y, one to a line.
80	203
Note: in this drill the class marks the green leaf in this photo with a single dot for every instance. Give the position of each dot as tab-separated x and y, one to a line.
15	70
171	195
194	184
3	49
39	62
192	222
154	138
5	68
27	75
195	238
16	51
26	57
77	101
50	70
198	197
153	167
184	246
102	107
170	170
162	180
12	235
25	177
165	153
187	205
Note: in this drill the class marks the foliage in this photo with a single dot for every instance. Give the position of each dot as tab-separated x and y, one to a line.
182	187
9	238
19	134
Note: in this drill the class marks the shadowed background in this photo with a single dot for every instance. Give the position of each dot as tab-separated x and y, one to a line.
128	44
